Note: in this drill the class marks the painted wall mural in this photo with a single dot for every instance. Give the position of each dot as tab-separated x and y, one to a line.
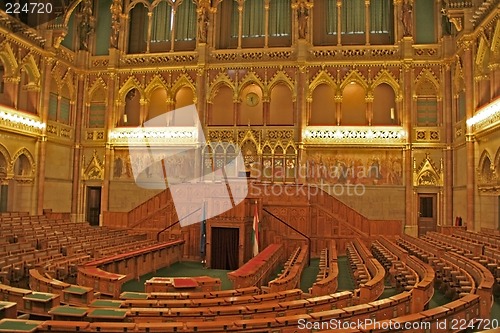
367	167
154	166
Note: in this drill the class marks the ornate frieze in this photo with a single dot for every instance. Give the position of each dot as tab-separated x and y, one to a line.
153	135
431	134
486	117
354	135
160	59
361	52
13	120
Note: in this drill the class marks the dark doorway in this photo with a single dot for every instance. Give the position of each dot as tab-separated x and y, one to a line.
427	220
93	204
4	192
225	248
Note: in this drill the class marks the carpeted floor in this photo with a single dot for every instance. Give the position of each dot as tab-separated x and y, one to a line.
309	275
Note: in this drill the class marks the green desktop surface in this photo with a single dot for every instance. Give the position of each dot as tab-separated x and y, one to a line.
65	310
15	325
103	303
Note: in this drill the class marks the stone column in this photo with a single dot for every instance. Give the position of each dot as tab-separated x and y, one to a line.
469	145
411	226
42	141
448	153
109	125
338	109
77	150
240	22
369	109
301	104
4	195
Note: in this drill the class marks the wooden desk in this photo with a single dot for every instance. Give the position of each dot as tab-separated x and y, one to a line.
65	312
105	282
8	310
77	295
172	284
112	327
257	270
100	314
64	325
160	327
17	325
39	303
104	303
133	295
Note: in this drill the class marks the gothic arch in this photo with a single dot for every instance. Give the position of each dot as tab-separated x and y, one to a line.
354	76
146	4
281	78
8	59
155	83
221	79
29	156
249	79
130	84
496	161
31	68
184	81
486	168
323	77
485	157
96	86
427	75
5	154
389	79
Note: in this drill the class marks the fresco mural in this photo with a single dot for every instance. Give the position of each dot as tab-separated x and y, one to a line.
367	167
153	166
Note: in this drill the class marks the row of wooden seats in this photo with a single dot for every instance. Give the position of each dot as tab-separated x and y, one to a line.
374	287
257	270
423	290
405	277
482	277
491	232
253	290
327	278
287	295
106	275
290	276
319	307
477	237
388	308
358	271
459	246
69	294
463	311
7	215
453	281
489	257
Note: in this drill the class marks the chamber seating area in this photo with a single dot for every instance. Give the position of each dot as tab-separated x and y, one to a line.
327	278
95	302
